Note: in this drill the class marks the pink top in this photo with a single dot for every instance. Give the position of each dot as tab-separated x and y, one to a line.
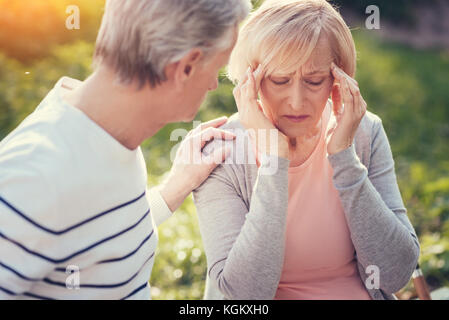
319	260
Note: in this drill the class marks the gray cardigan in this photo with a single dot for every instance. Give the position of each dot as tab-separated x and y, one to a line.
242	217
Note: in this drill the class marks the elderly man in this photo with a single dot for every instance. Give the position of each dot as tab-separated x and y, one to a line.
73	193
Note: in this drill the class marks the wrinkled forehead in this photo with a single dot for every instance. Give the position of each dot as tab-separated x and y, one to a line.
316	60
319	62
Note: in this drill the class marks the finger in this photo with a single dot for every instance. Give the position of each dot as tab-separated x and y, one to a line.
339	74
245	77
259	106
259	75
243	86
347	99
336	98
240	86
217	157
251	88
337	104
218	133
212	123
236	91
355	92
364	105
214	133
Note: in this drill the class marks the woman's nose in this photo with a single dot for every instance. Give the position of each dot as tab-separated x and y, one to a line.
296	98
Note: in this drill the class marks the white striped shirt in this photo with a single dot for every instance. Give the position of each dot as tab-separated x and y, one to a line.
75	218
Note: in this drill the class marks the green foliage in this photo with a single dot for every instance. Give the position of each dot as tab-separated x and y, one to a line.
399	11
180	266
408	89
425	191
23	87
29	29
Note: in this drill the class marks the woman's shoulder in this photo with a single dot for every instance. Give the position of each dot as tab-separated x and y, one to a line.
238	171
233	123
368	126
241	152
370	121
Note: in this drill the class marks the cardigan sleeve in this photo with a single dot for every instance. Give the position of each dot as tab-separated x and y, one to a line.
244	246
377	219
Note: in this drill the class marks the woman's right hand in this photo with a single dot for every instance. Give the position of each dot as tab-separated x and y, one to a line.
253	118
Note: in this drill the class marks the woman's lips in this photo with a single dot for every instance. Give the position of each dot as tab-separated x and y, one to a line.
297	118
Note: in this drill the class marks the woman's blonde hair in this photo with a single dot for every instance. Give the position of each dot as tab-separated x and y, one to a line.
282	34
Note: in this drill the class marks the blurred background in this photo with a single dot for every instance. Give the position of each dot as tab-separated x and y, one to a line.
403	73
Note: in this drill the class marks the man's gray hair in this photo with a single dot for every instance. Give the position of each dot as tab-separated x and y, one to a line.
138	38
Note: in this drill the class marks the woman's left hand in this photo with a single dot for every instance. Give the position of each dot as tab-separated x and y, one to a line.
345	91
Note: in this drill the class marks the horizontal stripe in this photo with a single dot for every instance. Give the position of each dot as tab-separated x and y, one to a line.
28	294
61	260
32	295
101	286
116	259
129	254
136	290
8	291
49	281
59	232
17	273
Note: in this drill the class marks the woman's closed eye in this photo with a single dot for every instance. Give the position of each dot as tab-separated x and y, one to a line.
314	83
285	80
279	80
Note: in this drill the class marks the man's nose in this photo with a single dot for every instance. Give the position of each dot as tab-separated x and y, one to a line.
214	85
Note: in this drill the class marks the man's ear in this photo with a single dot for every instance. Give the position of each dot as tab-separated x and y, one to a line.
181	71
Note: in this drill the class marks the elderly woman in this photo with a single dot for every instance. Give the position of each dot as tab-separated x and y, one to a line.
329	222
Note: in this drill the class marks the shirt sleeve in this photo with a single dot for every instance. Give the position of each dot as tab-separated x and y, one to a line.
159	209
245	246
380	229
